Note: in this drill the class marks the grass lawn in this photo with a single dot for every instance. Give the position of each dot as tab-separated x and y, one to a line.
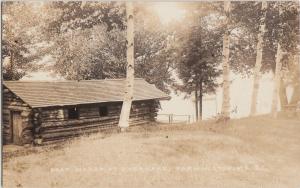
259	152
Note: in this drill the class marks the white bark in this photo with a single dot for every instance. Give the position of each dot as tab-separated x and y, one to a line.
259	50
128	95
277	76
225	111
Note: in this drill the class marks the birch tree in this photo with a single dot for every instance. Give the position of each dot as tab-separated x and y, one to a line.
259	51
225	111
244	15
277	78
128	95
277	75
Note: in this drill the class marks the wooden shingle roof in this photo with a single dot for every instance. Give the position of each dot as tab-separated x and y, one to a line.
61	93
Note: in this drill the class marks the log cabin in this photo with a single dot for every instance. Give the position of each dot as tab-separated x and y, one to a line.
45	111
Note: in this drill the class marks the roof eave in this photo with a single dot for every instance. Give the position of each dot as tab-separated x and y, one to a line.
64	105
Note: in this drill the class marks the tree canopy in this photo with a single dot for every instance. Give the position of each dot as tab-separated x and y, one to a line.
86	40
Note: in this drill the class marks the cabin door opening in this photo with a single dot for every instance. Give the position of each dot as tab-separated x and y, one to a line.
16	127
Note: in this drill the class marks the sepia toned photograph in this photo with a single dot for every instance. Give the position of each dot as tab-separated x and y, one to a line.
100	94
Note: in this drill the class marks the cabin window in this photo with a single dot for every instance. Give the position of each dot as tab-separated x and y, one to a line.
73	113
103	111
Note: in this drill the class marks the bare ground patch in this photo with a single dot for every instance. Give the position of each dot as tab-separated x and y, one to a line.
258	152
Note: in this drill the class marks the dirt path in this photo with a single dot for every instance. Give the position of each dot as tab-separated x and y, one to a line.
245	153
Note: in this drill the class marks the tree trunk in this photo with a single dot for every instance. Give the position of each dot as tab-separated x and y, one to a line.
11	63
277	78
225	112
200	100
196	101
259	51
78	71
282	94
128	95
296	94
296	82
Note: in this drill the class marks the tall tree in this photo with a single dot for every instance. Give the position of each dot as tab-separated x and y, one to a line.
225	111
99	43
155	46
129	84
290	42
295	78
88	38
258	63
276	81
277	74
21	49
198	61
244	16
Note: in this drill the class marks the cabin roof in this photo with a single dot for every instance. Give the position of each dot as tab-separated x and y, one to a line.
60	93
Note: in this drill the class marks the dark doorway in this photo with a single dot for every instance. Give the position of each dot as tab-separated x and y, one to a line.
16	127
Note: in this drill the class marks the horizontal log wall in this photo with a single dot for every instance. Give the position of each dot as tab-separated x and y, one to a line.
12	103
53	123
46	124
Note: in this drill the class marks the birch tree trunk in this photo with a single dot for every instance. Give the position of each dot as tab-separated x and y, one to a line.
296	82
259	49
128	95
282	94
225	111
277	75
296	93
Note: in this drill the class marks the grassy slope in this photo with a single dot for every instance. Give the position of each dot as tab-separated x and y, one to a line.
245	153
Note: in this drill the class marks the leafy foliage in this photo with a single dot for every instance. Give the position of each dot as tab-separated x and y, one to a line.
87	40
283	29
200	55
154	49
90	54
97	50
84	15
20	37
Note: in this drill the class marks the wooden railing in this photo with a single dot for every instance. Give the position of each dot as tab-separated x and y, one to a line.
174	118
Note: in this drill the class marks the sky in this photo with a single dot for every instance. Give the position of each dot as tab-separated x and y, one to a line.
168	11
